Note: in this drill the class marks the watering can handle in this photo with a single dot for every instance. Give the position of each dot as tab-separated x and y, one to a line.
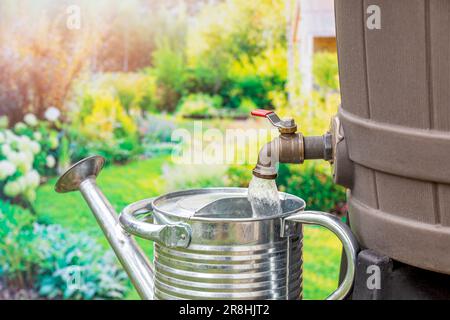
345	235
170	235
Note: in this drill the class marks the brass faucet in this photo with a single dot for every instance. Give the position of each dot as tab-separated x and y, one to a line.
290	147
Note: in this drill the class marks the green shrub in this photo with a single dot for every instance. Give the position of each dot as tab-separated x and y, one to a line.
53	261
103	126
199	105
255	78
203	78
236	49
313	183
325	70
239	175
73	266
135	91
229	29
170	72
192	176
17	256
247	106
115	151
156	132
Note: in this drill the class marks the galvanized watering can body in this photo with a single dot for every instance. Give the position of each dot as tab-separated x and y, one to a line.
207	245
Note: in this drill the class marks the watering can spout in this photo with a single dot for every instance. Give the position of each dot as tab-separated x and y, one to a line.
82	176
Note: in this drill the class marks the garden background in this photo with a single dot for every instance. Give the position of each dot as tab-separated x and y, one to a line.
117	83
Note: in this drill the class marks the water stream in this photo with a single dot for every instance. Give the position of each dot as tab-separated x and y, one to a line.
264	198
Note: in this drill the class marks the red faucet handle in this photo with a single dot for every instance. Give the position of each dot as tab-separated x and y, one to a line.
285	126
261	113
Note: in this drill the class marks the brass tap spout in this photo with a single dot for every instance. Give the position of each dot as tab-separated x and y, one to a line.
289	147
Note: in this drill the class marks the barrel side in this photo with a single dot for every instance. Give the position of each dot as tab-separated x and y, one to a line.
396	118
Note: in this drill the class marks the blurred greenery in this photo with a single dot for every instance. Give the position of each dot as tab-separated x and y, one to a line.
49	261
322	256
200	105
325	70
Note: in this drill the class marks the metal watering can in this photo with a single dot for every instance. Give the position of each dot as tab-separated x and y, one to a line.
207	244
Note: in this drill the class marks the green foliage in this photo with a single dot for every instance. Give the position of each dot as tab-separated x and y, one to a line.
257	78
239	175
236	49
136	92
17	256
194	176
156	132
199	105
73	266
169	69
155	128
313	114
53	261
321	262
313	183
169	58
103	126
232	28
325	70
247	106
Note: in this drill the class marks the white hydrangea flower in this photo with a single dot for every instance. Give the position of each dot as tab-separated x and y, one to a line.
12	189
20	126
32	179
35	147
24	143
10	155
6	150
2	137
10	136
22	183
30	119
37	136
7	169
22	160
52	114
50	160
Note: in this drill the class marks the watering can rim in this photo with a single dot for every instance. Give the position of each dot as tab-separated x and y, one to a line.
153	204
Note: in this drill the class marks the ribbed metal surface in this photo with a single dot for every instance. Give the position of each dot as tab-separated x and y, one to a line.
230	272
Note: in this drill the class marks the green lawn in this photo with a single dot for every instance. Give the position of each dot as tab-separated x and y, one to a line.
142	179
